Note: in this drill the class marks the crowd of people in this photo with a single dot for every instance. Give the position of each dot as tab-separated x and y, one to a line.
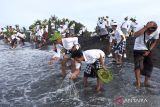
38	34
67	47
13	35
145	42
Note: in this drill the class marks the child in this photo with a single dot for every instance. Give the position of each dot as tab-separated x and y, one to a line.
94	59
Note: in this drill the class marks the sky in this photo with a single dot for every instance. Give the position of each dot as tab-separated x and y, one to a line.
25	12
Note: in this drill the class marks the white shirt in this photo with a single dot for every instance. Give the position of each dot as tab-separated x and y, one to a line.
63	30
126	25
118	34
106	23
52	25
21	35
58	53
139	41
69	42
133	26
98	23
13	36
72	26
102	25
40	32
91	56
37	27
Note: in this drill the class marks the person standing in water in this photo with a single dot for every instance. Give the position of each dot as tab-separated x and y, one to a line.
145	42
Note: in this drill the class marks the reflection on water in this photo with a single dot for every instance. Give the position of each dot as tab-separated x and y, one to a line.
26	80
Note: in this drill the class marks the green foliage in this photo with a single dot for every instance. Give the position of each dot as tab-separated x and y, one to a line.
57	22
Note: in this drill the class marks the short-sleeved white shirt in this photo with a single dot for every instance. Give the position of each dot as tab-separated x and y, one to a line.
139	41
126	25
69	42
103	25
72	26
118	34
21	35
91	56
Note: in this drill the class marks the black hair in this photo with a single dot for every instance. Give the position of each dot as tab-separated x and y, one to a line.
77	53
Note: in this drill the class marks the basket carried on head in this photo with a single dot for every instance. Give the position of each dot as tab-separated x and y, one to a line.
105	75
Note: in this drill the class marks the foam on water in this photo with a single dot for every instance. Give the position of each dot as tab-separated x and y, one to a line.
26	80
68	86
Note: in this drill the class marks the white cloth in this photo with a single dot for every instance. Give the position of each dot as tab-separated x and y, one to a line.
126	25
139	41
63	30
102	25
132	26
69	42
118	35
13	36
91	56
72	26
40	32
21	35
99	22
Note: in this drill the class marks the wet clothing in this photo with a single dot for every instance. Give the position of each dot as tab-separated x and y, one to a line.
120	48
91	69
92	59
120	45
143	62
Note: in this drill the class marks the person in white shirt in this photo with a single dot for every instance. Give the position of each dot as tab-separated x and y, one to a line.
1	33
71	30
111	42
103	29
145	42
63	29
64	48
95	60
120	42
39	34
21	37
132	26
13	39
125	27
